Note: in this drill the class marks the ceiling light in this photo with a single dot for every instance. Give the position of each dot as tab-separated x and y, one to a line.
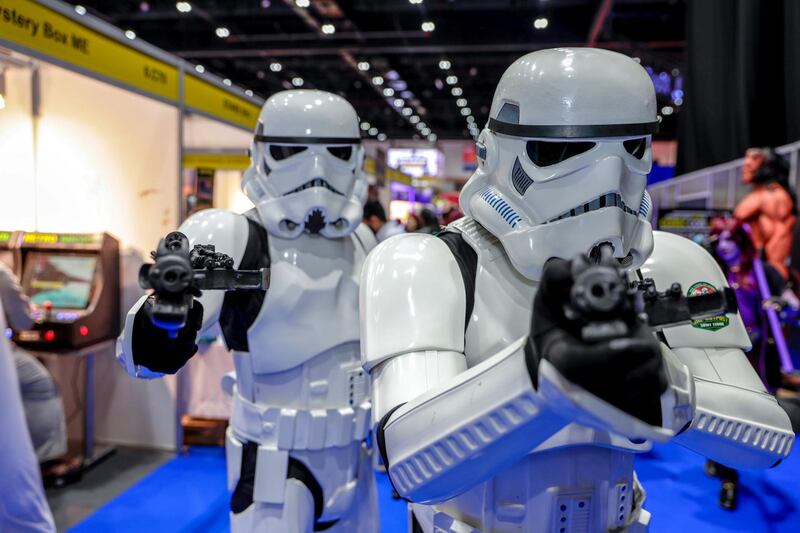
200	68
666	110
381	136
415	2
227	82
399	102
432	137
388	91
413	119
275	66
421	125
461	102
466	111
541	23
452	80
80	10
373	131
363	65
130	34
248	92
377	80
425	131
328	29
407	111
407	95
428	26
297	81
223	32
365	126
183	7
302	3
265	3
471	119
444	64
456	91
392	75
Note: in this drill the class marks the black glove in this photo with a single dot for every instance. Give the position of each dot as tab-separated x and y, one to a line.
626	372
155	350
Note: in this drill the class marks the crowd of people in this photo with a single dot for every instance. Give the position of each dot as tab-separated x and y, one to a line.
425	221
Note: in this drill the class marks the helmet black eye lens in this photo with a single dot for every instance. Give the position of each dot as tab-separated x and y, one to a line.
636	147
279	152
342	152
546	153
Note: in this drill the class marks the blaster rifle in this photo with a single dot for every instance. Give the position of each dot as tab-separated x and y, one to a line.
179	274
605	300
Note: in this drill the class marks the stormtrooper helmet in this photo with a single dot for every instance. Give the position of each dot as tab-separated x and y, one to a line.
564	157
306	171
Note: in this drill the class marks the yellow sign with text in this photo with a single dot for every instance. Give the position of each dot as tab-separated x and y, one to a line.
51	34
216	161
208	98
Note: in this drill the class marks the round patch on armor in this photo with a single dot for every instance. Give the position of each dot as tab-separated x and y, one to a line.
713	323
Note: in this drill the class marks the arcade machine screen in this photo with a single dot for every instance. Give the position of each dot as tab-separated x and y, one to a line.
65	280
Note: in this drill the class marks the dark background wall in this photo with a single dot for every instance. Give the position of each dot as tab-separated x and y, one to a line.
743	79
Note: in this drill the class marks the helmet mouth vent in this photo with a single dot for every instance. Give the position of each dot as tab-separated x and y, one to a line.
611	199
316	182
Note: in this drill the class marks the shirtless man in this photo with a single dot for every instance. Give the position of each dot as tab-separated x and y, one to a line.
769	208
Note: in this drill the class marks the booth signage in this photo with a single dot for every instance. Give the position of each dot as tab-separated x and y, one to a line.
51	34
216	161
208	98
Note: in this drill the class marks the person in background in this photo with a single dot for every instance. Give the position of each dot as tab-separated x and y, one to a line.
23	507
770	208
430	222
414	223
41	399
733	249
375	218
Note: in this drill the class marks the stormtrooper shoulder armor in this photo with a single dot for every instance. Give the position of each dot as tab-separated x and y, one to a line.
226	230
677	259
412	299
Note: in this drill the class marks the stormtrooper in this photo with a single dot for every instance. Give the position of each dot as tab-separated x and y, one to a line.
495	415
295	454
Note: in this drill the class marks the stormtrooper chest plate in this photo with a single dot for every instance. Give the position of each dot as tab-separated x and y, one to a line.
312	303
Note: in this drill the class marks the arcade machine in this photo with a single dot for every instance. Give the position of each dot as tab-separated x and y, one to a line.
73	282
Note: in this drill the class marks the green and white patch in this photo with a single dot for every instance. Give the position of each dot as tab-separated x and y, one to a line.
714	323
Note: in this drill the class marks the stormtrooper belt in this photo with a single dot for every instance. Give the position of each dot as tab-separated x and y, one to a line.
300	429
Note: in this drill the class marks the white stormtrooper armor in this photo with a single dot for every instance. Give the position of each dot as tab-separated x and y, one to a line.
477	439
301	407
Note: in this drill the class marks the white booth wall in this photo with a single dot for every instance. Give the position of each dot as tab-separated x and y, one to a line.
16	151
102	159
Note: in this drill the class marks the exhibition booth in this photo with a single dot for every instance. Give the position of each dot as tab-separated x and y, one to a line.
103	133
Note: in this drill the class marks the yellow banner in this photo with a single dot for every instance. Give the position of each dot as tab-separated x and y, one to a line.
369	165
216	161
396	175
209	98
40	29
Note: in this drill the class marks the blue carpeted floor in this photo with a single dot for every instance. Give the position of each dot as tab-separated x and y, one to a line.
188	495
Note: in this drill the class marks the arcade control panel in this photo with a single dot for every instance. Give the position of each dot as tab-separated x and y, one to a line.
73	282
